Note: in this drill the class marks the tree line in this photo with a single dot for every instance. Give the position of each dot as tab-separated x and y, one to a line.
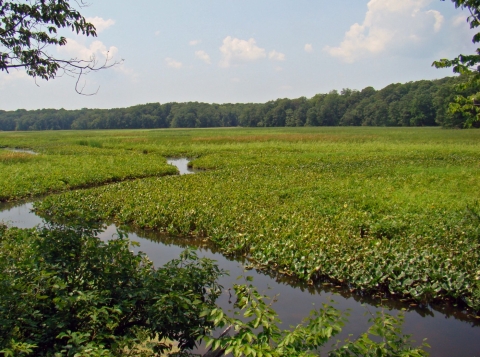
419	103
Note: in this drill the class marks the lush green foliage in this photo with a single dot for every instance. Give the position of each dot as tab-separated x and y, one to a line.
421	103
29	28
386	210
256	332
64	292
75	166
467	101
390	211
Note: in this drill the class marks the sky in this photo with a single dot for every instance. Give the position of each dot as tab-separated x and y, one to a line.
239	51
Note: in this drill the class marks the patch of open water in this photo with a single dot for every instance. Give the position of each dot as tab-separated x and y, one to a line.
449	330
182	165
27	151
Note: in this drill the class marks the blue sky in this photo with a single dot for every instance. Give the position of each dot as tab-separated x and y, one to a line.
221	51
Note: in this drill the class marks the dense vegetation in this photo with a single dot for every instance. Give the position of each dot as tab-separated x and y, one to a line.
64	292
383	211
82	165
392	211
421	103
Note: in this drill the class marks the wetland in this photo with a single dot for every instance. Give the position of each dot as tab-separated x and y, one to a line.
381	217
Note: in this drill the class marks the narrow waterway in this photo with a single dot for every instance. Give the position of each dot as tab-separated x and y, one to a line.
449	330
182	165
26	151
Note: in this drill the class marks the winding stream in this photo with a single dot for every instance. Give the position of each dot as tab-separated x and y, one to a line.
449	330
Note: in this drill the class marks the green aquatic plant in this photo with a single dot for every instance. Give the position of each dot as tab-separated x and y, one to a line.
91	143
383	211
24	175
293	220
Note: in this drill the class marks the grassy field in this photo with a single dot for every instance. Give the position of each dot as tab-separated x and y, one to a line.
391	211
65	161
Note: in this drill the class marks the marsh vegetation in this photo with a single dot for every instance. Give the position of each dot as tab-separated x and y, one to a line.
385	212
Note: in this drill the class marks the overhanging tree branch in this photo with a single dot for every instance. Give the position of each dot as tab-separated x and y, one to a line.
468	66
28	28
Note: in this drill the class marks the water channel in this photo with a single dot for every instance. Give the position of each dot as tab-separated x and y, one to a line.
449	330
25	151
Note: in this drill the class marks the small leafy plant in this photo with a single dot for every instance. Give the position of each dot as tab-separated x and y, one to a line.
256	332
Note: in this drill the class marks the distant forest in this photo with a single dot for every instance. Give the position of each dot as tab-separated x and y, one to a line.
420	103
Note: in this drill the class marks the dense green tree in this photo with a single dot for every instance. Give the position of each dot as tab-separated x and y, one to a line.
410	104
375	113
467	105
422	111
352	118
329	111
301	106
289	118
312	116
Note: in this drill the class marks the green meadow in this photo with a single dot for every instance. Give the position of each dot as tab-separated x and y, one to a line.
389	211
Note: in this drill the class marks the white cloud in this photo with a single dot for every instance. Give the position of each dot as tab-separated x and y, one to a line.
308	48
194	42
235	51
126	71
100	24
278	69
157	33
13	75
235	80
172	63
458	39
438	19
276	56
389	25
460	20
202	55
97	50
286	87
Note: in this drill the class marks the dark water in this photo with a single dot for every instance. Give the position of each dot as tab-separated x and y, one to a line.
449	330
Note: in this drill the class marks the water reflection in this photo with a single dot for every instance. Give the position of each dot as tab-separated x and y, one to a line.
19	214
449	330
182	165
449	310
27	151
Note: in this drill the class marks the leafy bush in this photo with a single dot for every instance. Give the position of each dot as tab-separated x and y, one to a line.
256	332
66	293
63	292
